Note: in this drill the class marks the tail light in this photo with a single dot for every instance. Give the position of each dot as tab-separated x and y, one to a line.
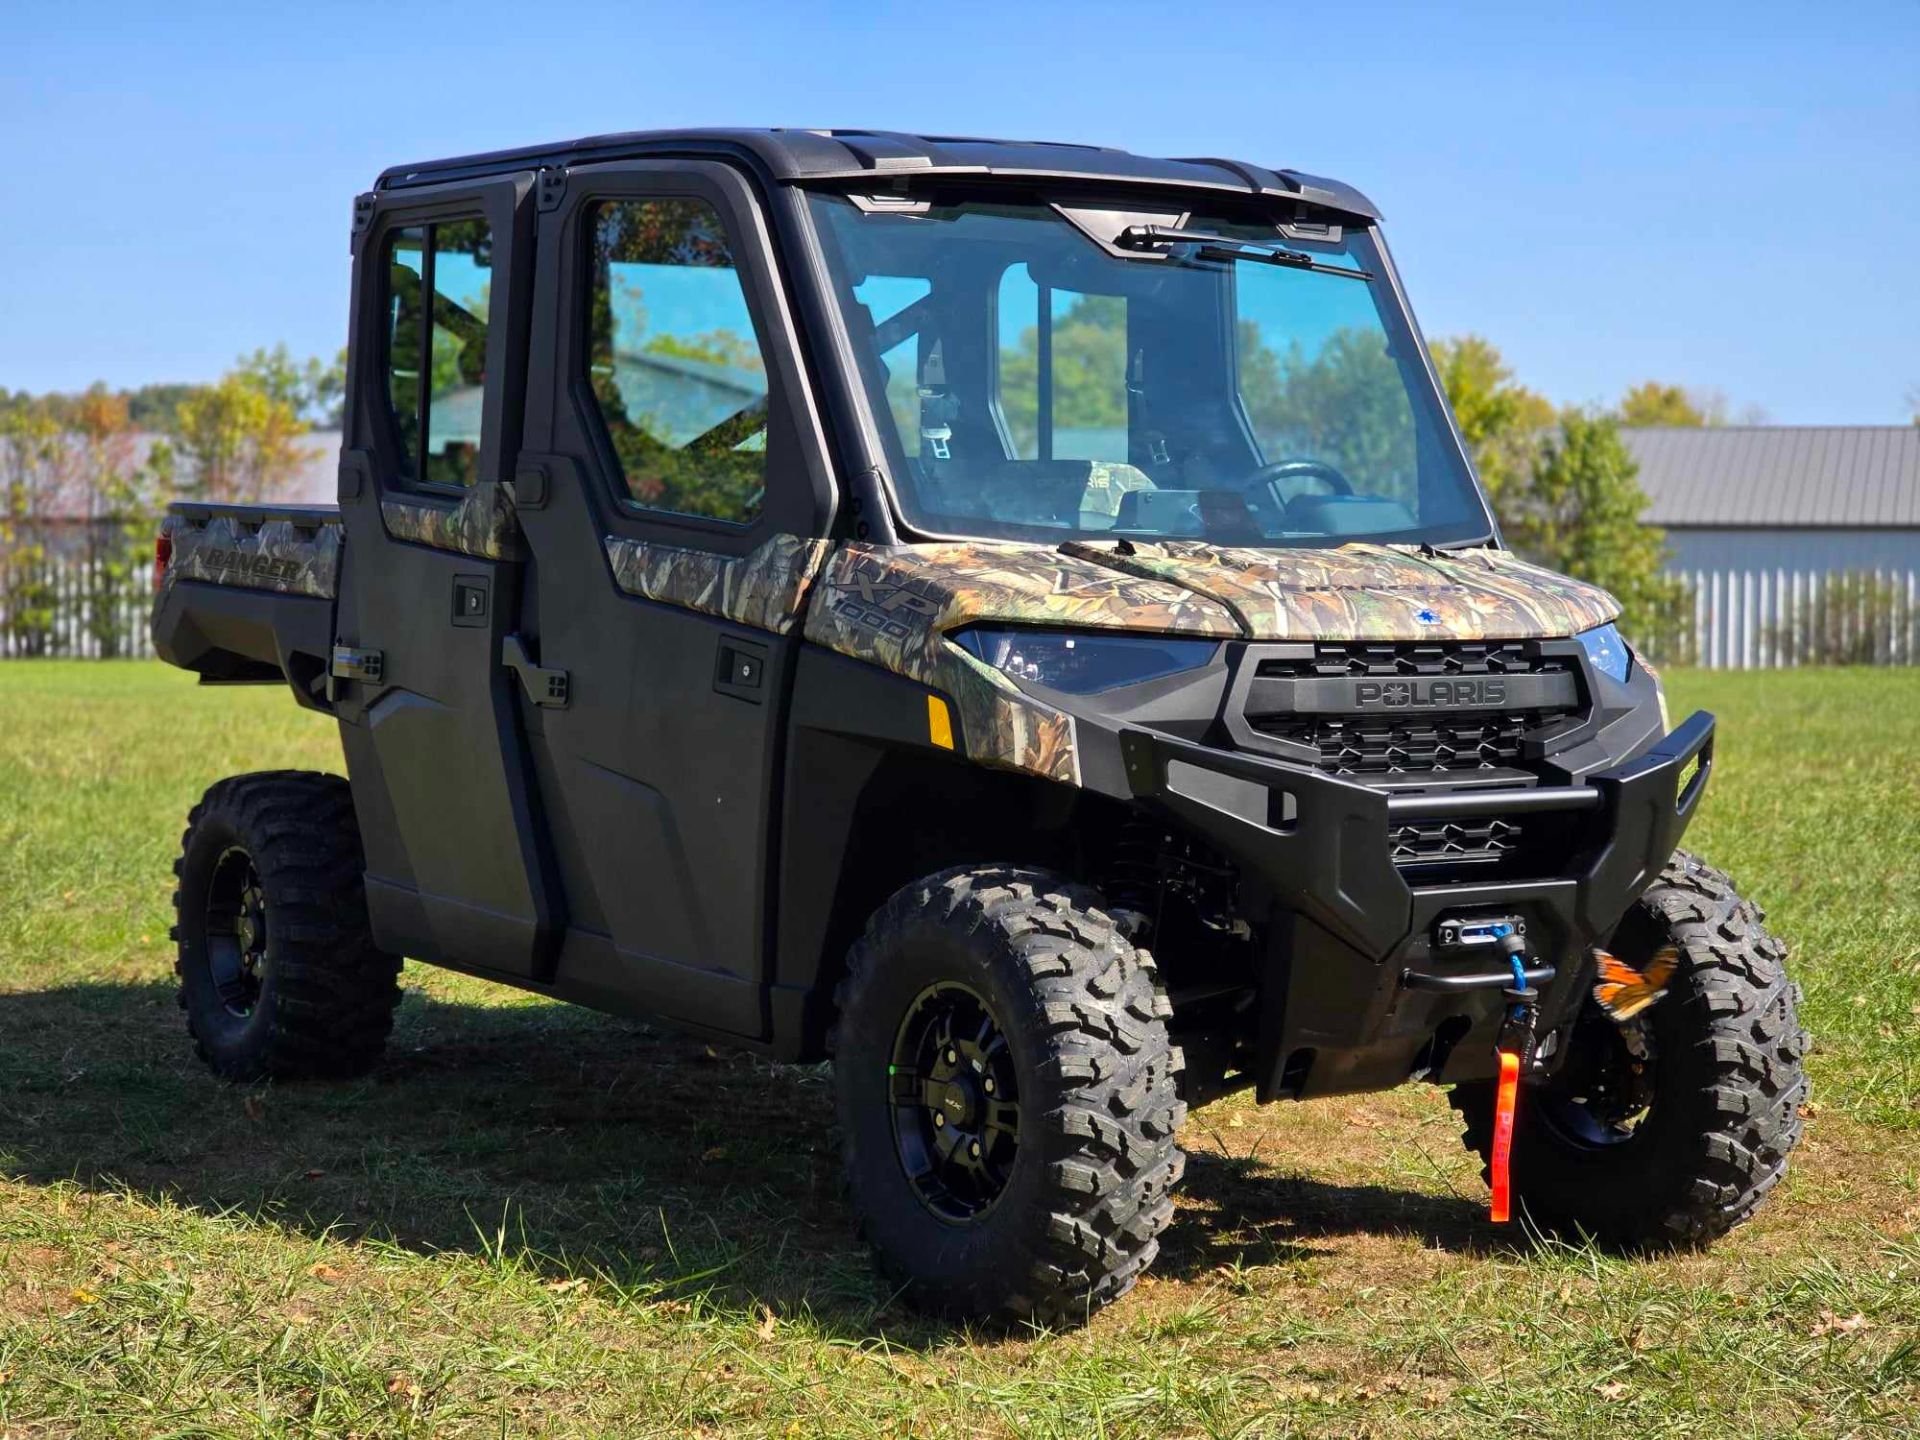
162	557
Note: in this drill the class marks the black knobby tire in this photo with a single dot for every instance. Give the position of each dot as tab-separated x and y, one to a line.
1726	1089
300	991
1090	1188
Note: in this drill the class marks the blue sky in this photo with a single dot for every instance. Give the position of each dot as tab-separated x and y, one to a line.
1720	196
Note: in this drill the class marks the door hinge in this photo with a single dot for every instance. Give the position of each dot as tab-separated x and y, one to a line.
551	189
546	688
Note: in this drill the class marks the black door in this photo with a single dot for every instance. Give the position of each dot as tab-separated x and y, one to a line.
673	470
429	588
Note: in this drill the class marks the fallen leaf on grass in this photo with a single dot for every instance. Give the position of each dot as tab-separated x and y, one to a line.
1832	1324
402	1385
1612	1390
85	1297
561	1287
769	1322
718	1152
326	1272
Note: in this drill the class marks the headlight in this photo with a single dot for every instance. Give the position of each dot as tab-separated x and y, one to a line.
1607	651
1082	664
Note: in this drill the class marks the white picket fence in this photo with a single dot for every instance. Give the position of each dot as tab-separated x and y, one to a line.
74	588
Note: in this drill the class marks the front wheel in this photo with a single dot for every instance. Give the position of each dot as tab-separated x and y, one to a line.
1667	1131
1007	1097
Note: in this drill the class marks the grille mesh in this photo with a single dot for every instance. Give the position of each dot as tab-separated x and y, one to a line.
1446	842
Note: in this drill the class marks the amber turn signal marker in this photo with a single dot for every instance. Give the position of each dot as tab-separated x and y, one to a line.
939	723
1503	1106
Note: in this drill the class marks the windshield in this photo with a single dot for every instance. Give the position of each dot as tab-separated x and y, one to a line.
1043	385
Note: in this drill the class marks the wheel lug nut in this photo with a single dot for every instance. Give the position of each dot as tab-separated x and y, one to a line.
974	1149
938	1120
953	1057
987	1084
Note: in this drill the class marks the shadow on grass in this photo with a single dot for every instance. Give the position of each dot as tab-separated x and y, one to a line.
565	1140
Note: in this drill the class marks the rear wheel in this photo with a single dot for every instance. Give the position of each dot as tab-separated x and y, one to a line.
278	971
1669	1130
1007	1097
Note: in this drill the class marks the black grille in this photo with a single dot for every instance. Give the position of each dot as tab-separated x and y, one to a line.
1440	743
1452	842
1387	745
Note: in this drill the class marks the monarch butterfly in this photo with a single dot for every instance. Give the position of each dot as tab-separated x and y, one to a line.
1623	992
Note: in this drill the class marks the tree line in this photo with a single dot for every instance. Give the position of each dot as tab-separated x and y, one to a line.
84	476
1560	478
103	453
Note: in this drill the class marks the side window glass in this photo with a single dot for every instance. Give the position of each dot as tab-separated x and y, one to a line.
439	283
406	273
1063	371
675	367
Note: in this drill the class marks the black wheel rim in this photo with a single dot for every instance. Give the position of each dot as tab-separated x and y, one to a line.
1604	1094
236	930
956	1102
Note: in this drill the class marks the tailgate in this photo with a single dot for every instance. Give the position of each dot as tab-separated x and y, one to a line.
245	593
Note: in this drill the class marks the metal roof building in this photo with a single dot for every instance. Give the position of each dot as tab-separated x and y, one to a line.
1796	539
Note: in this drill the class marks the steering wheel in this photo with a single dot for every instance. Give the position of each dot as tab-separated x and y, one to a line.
1275	471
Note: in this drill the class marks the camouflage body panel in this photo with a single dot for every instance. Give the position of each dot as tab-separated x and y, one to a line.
1370	592
1001	726
277	554
765	588
483	524
892	606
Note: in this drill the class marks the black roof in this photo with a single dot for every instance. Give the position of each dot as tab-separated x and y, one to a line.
796	156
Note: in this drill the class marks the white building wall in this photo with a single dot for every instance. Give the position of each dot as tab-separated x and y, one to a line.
1746	582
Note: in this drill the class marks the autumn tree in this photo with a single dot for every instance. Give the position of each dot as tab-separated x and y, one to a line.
312	389
1501	420
1653	403
235	440
1565	488
1583	514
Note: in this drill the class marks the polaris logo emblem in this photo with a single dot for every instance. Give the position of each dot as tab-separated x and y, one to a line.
1426	617
1468	694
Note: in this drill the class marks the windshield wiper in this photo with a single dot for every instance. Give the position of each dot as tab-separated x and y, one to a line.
1206	245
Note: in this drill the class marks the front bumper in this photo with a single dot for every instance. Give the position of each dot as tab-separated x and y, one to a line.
1365	992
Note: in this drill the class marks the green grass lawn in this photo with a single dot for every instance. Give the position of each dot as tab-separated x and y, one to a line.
536	1219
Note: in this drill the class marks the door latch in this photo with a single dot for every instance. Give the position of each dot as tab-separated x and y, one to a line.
546	688
350	662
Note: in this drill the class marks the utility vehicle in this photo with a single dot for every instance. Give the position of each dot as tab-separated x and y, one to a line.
1018	619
